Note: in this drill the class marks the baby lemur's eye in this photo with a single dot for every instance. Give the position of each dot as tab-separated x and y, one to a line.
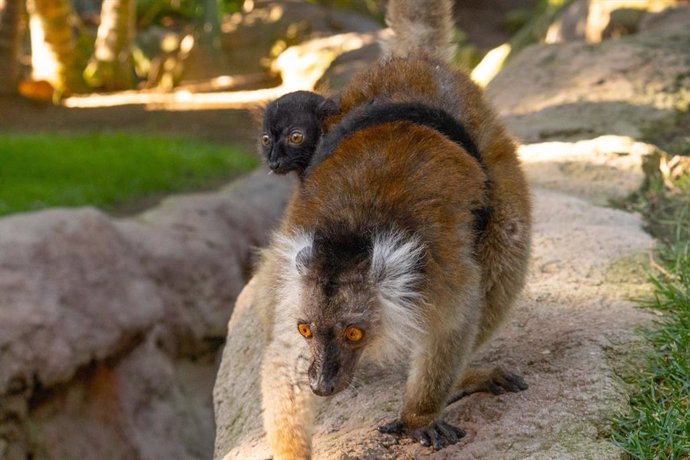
265	139
354	334
305	330
296	136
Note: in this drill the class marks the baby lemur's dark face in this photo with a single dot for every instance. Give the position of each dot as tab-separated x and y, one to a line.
293	125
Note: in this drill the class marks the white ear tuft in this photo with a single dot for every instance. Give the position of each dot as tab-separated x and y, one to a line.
286	248
294	249
395	272
395	263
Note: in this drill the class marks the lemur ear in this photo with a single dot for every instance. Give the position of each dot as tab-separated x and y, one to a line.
257	112
397	264
327	108
303	260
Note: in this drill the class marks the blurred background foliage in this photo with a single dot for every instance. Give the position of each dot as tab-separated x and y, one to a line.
51	49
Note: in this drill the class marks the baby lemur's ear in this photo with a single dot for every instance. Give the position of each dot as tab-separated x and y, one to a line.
257	112
327	108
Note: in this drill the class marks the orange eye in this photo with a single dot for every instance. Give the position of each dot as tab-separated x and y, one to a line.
354	334
265	139
305	330
296	137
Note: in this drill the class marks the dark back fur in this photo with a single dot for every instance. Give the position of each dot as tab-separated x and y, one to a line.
389	112
337	254
420	114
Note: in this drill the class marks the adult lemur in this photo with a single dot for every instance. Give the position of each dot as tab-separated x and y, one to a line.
408	237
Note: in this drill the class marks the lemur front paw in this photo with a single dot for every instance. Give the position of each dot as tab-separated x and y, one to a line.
438	434
495	380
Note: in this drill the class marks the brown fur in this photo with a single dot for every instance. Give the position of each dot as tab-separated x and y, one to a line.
413	179
504	249
505	246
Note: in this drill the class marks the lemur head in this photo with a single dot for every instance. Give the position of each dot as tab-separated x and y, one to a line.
356	295
292	127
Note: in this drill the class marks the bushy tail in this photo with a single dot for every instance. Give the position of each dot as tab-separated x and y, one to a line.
420	25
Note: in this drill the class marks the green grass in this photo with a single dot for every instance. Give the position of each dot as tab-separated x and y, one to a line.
117	172
659	425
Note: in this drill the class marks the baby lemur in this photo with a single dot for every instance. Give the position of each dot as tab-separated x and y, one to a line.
408	238
292	127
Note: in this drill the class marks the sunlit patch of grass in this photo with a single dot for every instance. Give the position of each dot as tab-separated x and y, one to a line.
659	425
113	171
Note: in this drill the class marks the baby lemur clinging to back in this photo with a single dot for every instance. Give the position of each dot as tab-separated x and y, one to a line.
408	237
292	127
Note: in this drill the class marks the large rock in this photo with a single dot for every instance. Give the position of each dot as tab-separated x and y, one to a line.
667	19
602	170
68	280
636	86
109	329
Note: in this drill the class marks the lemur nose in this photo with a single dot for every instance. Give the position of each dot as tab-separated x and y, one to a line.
274	164
322	388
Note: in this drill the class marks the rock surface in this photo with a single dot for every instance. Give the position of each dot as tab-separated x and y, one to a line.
601	170
636	86
109	328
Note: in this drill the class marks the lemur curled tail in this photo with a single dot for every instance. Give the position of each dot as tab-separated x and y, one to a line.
408	238
420	26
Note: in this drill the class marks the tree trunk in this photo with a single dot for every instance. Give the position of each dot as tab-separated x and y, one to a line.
53	44
111	67
10	41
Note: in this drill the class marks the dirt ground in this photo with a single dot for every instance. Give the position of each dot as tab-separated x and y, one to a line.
234	127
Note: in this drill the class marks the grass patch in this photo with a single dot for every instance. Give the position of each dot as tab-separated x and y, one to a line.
116	172
659	425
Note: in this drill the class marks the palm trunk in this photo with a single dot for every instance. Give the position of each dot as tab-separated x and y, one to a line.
53	44
10	41
111	66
